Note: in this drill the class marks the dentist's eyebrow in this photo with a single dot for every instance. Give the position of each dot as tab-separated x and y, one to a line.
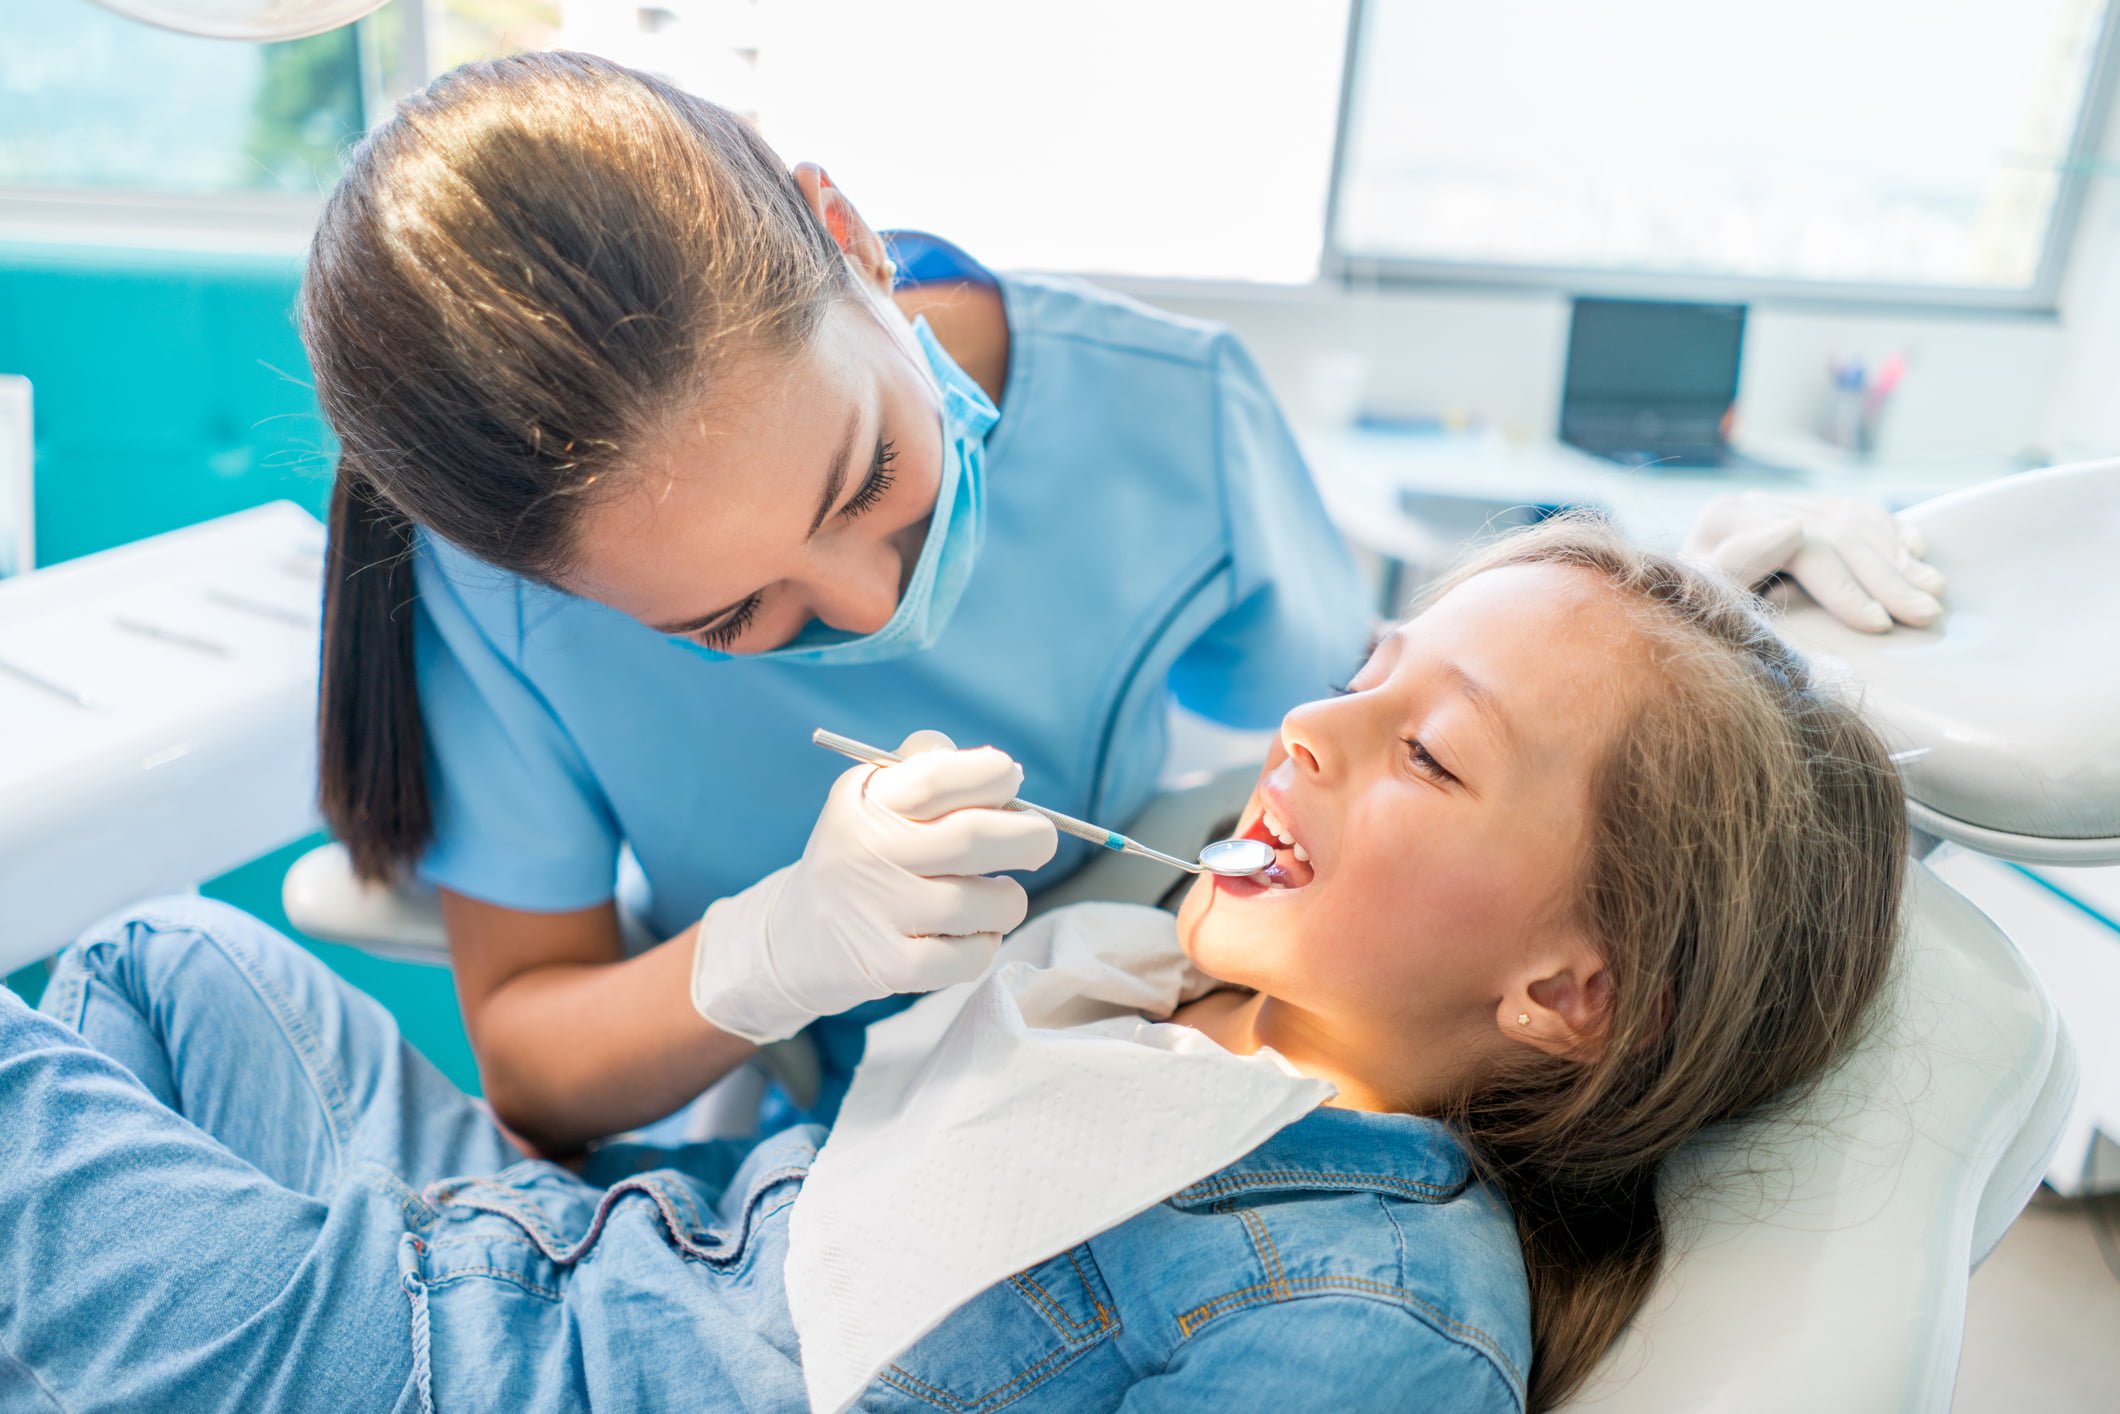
836	479
834	482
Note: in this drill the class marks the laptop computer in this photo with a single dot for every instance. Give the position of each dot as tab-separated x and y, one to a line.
1653	382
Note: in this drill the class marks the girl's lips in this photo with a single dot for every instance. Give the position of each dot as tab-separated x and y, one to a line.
1285	875
1242	886
1278	825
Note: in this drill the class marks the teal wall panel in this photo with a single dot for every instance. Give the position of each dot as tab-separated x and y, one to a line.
165	393
171	389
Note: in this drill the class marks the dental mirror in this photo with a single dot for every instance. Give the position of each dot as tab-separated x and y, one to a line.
1236	858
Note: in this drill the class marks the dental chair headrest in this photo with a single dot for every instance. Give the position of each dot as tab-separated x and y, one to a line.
2006	714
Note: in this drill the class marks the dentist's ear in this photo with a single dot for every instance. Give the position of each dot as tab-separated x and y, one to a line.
1562	1003
864	249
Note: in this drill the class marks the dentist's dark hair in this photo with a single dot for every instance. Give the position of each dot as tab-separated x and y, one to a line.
1747	853
519	277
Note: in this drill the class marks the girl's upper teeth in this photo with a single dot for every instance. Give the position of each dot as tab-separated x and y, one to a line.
1280	832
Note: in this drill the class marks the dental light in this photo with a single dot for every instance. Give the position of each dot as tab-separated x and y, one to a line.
245	19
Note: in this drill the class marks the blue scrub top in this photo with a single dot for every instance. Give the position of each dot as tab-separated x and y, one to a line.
1151	530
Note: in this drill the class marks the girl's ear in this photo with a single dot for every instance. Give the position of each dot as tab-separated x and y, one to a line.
864	249
1561	1004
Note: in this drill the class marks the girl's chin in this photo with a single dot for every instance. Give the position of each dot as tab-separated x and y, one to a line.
1206	949
1198	900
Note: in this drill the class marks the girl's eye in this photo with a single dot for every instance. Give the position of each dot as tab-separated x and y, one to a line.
731	628
1424	763
879	481
1376	639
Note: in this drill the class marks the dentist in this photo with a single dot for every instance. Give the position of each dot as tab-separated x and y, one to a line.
653	456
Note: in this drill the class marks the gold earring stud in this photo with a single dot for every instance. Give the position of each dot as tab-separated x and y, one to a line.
1523	1018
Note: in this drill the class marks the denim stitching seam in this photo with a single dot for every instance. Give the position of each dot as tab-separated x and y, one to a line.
1317	1178
994	1397
680	1203
487	1197
300	1039
1044	1300
1398	1233
484	1241
898	1378
1263	1294
454	1274
1104	1316
1262	1243
67	997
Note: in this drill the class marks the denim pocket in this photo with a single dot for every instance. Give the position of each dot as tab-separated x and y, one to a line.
1010	1341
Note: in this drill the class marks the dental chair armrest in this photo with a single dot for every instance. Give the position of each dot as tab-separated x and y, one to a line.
326	901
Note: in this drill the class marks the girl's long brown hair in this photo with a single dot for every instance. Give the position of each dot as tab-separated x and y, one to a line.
518	277
1746	860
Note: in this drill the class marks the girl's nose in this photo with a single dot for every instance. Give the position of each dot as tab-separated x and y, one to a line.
1303	738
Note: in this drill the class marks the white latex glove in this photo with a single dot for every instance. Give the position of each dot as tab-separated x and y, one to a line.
1860	562
886	897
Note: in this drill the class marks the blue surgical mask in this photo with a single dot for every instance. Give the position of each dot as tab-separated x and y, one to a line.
956	528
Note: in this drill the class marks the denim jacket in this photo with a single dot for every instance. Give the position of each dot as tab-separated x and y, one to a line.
290	1241
1348	1262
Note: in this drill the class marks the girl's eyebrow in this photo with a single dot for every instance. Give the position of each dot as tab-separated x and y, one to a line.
1482	697
1483	702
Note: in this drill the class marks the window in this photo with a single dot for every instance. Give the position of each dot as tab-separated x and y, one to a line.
1925	150
90	101
1171	137
1927	146
1153	137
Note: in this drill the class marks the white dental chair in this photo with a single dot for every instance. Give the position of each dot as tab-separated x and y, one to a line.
1819	1258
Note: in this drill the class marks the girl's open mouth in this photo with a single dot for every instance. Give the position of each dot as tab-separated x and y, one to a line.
1291	868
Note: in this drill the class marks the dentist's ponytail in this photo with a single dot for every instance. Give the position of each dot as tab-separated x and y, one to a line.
371	746
520	277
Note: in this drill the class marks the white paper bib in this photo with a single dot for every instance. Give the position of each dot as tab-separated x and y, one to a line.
996	1124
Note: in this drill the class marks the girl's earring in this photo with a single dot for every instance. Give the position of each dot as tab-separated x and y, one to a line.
1523	1018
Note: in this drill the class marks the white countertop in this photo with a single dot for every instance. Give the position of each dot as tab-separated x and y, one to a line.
157	718
1368	479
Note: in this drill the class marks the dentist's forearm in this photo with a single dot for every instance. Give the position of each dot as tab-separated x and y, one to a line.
571	1052
575	1040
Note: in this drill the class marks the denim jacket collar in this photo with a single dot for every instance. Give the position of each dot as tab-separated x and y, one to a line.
1406	1156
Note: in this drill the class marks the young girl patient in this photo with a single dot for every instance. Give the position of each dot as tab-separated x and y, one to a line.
1578	863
